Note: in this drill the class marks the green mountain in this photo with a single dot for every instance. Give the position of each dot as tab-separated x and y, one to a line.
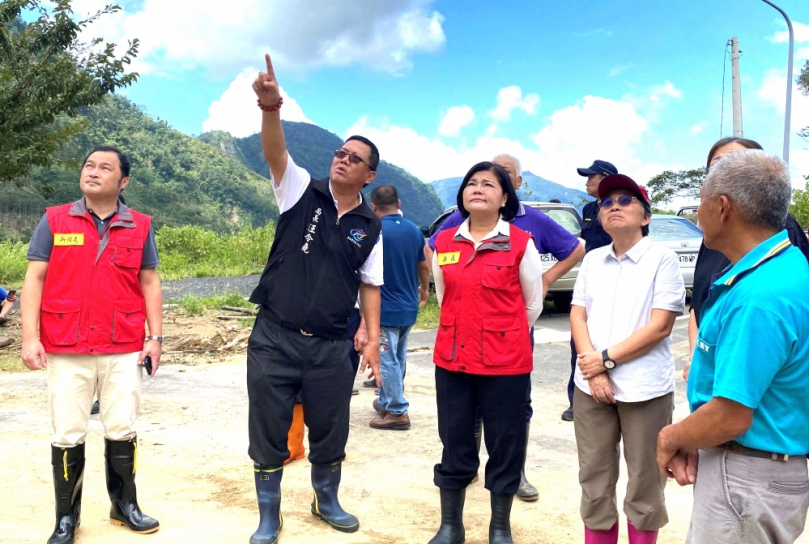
175	178
313	149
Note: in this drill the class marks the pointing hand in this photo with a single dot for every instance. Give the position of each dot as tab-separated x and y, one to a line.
266	86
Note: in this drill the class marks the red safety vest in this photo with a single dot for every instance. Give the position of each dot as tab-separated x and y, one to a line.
92	302
483	325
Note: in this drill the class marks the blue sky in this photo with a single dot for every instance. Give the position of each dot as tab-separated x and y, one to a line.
441	84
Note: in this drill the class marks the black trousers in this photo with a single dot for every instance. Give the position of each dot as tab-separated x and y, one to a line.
280	364
502	407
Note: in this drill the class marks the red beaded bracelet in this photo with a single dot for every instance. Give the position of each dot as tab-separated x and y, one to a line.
276	107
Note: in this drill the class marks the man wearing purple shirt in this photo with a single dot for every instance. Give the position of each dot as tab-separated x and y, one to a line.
549	237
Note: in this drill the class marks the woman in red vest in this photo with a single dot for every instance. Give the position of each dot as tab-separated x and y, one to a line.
488	279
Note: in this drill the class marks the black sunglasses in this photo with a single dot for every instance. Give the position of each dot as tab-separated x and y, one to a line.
353	158
623	201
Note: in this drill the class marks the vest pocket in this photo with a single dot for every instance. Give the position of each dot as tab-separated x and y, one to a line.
501	340
59	322
446	338
127	321
498	276
128	257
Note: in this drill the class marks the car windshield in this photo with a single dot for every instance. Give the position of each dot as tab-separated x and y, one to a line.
664	227
566	219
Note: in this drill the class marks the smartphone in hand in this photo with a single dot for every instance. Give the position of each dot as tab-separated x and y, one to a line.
147	364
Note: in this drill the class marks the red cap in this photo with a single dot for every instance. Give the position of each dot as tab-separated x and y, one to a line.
620	181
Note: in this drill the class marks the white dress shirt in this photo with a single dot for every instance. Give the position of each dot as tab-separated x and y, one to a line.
289	191
530	270
619	295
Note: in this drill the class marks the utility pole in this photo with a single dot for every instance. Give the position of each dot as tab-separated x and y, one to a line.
788	111
738	129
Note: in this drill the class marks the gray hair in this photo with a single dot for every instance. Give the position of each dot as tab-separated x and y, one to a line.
756	182
513	158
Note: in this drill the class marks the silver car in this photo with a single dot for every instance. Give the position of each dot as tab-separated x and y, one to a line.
681	235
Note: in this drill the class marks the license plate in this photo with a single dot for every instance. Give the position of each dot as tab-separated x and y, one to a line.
688	258
547	258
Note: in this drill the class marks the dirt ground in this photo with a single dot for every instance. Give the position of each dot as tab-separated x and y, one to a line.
196	478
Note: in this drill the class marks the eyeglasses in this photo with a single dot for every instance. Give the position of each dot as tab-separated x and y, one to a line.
353	158
623	201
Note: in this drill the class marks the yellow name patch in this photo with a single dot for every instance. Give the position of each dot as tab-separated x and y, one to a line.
68	239
449	258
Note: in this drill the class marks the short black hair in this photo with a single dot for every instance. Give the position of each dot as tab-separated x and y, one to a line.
385	196
512	206
555	201
373	159
122	159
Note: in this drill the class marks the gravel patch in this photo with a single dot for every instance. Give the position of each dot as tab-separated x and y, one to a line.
205	287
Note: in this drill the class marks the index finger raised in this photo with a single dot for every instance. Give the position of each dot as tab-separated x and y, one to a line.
270	70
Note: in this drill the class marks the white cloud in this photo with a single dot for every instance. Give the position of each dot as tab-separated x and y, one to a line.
592	128
773	94
187	34
698	128
236	110
667	89
801	33
510	99
618	70
455	119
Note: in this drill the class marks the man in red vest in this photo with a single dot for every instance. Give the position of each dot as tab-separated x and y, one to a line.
90	285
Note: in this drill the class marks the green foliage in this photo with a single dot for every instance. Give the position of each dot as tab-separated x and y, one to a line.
185	252
803	86
665	187
313	149
13	263
199	305
800	207
176	179
46	76
193	252
429	314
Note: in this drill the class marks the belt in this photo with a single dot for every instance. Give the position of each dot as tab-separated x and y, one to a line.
286	325
735	447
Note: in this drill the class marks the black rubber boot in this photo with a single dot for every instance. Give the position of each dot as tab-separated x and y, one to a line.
500	526
121	464
268	492
451	530
68	477
326	482
526	491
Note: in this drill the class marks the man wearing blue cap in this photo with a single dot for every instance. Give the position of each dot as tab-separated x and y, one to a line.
594	237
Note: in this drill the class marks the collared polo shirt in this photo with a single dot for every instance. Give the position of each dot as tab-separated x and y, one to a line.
549	236
619	295
753	346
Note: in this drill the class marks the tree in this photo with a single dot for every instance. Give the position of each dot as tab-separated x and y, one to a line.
803	86
665	187
800	206
46	75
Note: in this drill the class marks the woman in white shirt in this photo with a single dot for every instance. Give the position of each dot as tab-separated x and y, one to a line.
625	301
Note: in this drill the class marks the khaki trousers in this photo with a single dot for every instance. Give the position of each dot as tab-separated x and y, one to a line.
599	429
747	500
72	381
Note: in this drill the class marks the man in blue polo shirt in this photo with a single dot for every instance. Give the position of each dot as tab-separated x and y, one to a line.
750	370
549	237
404	268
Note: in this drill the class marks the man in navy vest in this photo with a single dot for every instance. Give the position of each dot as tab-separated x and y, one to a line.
327	248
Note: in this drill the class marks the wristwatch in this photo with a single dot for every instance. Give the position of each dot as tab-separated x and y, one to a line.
609	364
155	338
